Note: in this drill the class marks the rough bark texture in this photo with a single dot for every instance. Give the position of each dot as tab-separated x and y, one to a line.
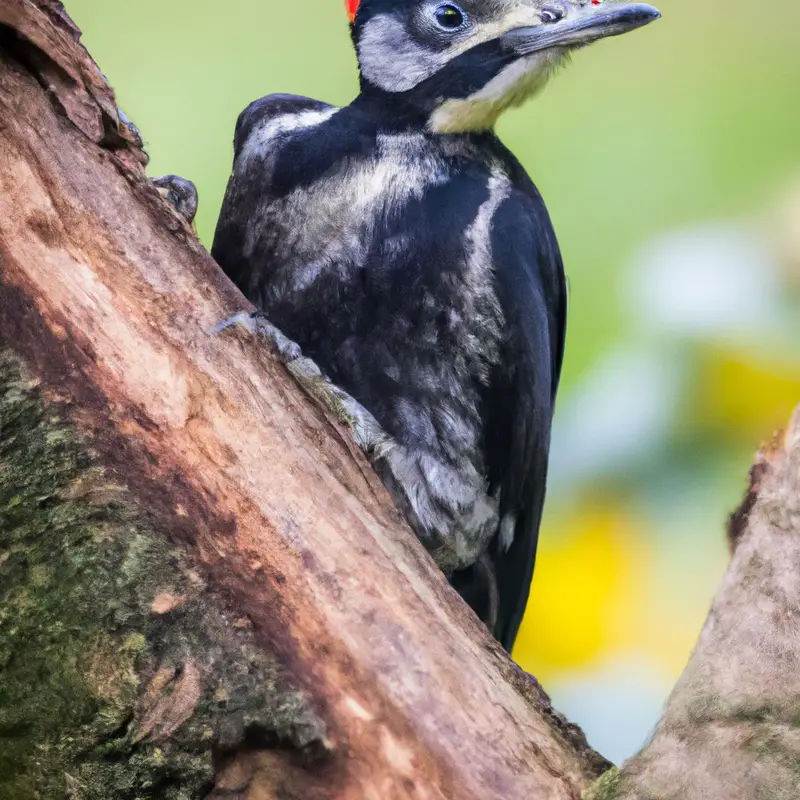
204	587
731	729
204	590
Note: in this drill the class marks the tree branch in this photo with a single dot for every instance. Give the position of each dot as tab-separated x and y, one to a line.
731	727
204	586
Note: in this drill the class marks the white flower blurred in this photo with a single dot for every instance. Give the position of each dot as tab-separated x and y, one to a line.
620	414
706	282
617	703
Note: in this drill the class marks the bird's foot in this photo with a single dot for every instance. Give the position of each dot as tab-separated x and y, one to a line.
180	193
446	505
363	427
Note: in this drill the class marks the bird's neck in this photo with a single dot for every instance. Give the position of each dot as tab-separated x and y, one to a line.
382	113
466	95
376	115
390	112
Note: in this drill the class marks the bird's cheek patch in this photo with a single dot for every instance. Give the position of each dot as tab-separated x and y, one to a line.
352	8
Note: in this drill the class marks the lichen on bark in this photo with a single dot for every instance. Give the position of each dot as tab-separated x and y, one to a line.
123	676
606	787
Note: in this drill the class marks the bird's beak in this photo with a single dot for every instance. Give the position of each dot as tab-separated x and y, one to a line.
590	23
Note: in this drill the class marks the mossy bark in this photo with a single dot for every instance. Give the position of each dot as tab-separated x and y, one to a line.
606	787
122	675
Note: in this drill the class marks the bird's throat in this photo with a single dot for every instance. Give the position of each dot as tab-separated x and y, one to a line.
511	87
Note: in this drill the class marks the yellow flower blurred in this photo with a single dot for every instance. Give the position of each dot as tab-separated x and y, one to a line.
588	571
745	393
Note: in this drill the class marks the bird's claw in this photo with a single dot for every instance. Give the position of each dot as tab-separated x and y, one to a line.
180	193
258	325
363	427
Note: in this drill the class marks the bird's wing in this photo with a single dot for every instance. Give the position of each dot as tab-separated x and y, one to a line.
519	404
285	111
263	131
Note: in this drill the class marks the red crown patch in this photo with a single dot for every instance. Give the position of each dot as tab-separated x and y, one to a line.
352	7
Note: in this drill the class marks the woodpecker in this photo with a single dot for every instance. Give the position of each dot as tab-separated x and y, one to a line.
403	249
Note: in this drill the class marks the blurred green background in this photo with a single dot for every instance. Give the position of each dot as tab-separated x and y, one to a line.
670	161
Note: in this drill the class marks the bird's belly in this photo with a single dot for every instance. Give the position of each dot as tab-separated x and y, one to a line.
418	358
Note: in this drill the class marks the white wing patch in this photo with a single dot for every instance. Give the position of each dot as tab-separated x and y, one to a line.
262	139
481	301
325	225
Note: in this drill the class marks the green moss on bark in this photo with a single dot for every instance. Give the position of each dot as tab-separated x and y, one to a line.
606	787
101	696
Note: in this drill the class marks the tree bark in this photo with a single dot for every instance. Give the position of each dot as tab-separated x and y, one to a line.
205	587
205	590
731	729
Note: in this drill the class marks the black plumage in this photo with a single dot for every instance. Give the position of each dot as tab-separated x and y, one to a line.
407	252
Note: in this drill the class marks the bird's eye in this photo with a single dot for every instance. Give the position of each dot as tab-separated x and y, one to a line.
449	16
550	15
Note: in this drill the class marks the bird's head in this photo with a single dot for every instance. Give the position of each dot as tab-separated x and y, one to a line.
461	63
